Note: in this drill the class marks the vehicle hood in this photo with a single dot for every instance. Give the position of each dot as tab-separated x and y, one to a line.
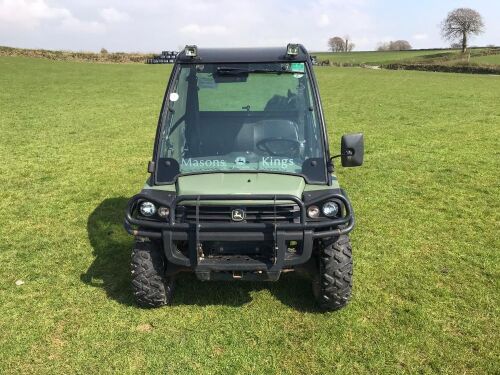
240	183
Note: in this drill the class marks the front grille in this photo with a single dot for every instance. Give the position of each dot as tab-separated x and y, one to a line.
253	214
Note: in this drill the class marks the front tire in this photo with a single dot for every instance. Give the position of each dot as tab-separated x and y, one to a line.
150	286
332	285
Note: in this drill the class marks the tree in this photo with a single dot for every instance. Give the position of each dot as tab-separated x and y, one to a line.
382	47
460	24
336	44
348	46
396	45
400	45
104	51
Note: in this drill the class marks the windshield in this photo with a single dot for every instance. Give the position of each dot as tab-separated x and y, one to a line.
241	118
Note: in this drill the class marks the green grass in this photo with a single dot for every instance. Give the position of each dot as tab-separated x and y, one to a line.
489	59
420	57
375	57
75	141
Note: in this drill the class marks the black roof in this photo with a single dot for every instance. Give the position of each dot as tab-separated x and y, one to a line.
243	55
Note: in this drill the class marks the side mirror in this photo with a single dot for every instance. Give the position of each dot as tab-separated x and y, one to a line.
352	149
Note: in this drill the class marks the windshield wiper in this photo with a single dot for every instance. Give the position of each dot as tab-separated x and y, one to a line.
236	71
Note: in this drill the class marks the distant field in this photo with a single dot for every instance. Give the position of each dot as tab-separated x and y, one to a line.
75	141
434	57
490	59
374	57
114	57
421	57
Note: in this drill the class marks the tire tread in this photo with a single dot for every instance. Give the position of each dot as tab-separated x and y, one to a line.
150	286
335	267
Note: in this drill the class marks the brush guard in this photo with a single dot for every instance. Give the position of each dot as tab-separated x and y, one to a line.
238	266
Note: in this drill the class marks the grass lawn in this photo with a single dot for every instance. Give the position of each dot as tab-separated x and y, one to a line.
75	141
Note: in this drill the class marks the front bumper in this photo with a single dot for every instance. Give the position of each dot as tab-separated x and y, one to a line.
240	267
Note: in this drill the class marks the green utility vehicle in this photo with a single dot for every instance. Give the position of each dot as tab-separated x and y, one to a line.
242	183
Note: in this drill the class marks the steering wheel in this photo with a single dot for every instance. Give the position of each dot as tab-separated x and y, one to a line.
279	146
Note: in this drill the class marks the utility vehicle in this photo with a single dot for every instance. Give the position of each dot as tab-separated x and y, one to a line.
242	183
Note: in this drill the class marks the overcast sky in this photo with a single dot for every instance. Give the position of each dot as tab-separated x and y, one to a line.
155	25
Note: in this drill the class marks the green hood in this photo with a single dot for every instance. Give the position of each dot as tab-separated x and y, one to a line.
240	183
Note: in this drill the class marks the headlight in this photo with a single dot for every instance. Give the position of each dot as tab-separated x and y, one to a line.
313	212
163	212
330	209
147	208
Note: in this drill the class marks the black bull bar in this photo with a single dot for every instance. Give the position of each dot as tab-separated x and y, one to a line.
278	233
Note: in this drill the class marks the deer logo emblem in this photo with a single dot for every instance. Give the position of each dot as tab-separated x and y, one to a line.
238	214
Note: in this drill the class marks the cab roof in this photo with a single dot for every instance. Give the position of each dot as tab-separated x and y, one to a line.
243	55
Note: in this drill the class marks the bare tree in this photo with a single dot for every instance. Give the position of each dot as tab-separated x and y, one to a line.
346	42
460	23
336	44
400	45
348	45
383	46
396	45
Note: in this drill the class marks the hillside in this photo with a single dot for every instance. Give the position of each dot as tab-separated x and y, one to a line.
372	57
490	56
114	57
478	60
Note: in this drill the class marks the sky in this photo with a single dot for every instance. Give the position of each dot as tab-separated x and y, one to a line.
155	25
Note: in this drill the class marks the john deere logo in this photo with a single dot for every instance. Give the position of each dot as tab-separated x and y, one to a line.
238	214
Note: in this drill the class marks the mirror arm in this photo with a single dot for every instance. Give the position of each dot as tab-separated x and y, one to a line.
330	166
347	153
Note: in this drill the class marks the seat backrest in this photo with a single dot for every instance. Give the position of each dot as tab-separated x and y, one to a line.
250	134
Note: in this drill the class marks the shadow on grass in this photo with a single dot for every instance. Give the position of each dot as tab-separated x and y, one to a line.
110	270
442	55
291	290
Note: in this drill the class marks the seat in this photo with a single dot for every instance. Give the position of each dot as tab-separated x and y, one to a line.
250	134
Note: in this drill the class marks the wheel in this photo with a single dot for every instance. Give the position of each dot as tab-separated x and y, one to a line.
333	283
150	286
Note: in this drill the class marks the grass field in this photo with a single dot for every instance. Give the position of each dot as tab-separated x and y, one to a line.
75	141
375	57
421	57
490	59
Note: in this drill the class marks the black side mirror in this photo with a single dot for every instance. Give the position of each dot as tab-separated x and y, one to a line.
352	150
